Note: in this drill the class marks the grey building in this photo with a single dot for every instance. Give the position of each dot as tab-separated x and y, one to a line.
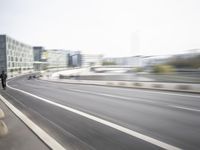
38	52
74	59
40	58
15	57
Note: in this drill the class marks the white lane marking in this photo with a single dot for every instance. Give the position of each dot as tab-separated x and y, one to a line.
185	108
46	138
56	125
167	93
131	89
110	95
107	123
129	98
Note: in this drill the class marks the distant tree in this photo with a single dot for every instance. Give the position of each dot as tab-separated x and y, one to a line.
139	69
162	69
180	62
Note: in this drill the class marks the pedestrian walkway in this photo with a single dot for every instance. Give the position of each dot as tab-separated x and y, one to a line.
19	136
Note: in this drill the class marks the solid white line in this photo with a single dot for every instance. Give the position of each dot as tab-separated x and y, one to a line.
107	123
140	90
132	99
46	138
185	108
111	96
168	93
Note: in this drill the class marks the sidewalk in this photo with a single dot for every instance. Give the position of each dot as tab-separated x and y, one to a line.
19	136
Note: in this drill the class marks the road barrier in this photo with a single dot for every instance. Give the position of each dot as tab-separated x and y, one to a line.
181	87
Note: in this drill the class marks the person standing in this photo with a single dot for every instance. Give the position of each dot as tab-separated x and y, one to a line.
3	77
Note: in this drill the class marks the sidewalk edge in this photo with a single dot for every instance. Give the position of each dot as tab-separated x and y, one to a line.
45	137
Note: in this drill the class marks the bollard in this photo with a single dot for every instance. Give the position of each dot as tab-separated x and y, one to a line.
3	128
2	115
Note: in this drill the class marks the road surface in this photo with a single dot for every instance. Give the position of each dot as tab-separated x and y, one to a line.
166	117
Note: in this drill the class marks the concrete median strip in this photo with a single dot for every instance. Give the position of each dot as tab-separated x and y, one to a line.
165	86
46	138
104	122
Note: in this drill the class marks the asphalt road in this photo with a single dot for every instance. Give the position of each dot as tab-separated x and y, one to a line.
172	118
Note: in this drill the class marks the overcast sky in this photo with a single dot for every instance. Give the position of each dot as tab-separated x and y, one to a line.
109	27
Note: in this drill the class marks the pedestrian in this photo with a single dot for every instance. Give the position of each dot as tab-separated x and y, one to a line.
3	77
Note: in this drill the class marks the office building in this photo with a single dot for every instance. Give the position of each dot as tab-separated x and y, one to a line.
15	57
57	58
74	59
133	61
91	60
40	58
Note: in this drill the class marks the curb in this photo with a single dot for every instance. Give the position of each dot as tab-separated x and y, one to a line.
43	135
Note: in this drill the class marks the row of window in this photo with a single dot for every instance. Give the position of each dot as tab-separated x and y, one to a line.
17	53
18	69
14	64
16	43
19	59
17	48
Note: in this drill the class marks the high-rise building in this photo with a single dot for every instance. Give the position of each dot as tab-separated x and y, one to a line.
15	57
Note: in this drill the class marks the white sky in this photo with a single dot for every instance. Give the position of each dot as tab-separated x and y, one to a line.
109	27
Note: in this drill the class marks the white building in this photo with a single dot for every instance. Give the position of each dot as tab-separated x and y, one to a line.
91	60
15	57
133	61
57	58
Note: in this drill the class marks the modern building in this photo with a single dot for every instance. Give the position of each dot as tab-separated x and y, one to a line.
49	58
133	61
74	58
56	58
39	53
15	57
91	60
40	58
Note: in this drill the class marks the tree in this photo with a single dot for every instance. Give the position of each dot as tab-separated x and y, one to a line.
163	69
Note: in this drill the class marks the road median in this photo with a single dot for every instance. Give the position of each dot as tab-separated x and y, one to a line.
165	86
